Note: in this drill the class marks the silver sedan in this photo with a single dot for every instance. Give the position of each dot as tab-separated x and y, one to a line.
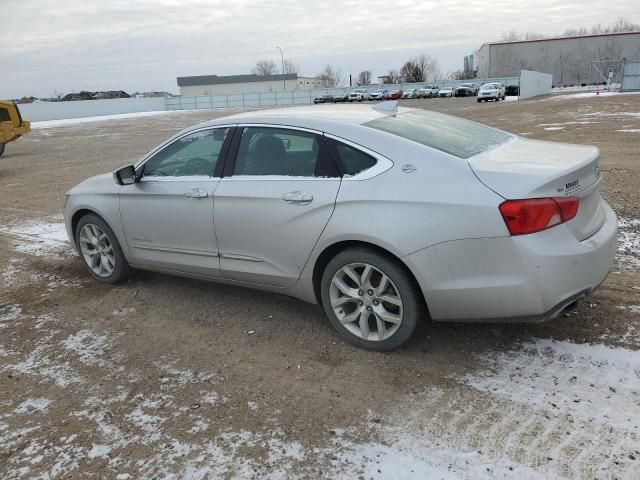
384	216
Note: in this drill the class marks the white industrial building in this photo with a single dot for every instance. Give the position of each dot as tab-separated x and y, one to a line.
236	84
570	60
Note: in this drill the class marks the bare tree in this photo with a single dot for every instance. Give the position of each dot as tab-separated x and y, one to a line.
330	77
290	67
434	72
392	77
364	77
459	75
514	36
413	71
620	25
264	67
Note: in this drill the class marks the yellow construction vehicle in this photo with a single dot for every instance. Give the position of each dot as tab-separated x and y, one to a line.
11	124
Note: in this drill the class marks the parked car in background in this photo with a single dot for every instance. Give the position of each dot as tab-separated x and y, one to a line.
427	91
491	91
466	90
326	98
512	90
395	95
445	92
353	208
411	93
341	97
378	95
358	95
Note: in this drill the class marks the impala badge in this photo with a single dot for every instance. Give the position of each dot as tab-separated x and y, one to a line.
408	168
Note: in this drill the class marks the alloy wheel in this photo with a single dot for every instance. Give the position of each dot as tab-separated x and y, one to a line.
366	302
97	250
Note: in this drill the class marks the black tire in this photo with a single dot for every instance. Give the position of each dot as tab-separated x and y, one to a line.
1	148
413	309
121	271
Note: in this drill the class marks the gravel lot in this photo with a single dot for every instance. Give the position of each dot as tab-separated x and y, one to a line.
172	378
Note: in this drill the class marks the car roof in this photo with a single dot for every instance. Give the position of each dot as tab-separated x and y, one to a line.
303	116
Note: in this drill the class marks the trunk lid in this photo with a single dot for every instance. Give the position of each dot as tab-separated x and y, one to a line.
524	168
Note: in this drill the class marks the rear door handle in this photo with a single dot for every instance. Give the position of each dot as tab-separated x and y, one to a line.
297	198
196	193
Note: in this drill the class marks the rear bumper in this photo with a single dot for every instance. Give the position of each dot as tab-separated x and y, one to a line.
525	278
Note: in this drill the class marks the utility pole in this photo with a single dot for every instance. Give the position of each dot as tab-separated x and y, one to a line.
284	80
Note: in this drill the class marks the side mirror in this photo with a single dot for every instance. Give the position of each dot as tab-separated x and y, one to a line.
125	175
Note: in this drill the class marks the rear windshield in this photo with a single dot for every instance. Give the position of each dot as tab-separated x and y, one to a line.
453	135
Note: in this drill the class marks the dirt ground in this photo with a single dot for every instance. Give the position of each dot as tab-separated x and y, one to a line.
164	377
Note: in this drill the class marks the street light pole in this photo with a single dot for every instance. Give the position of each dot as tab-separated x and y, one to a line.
284	80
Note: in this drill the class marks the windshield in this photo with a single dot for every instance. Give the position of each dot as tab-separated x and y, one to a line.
490	86
446	133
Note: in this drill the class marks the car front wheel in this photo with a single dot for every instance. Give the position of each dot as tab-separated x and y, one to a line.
100	251
370	299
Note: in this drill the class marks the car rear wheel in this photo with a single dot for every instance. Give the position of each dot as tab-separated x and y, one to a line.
100	251
370	299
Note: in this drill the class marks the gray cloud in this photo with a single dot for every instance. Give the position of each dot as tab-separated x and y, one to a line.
50	45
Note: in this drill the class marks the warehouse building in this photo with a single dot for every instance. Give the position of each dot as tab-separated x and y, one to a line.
571	60
235	84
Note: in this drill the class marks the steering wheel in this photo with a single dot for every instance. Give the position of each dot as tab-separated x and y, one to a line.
195	166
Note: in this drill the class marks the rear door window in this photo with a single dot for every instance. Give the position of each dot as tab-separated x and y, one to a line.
282	152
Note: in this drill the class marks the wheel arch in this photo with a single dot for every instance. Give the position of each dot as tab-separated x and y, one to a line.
332	250
87	210
75	219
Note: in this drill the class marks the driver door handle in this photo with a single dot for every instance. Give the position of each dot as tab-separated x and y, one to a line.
196	193
297	198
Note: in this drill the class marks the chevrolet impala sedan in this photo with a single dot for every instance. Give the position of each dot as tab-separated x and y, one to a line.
385	216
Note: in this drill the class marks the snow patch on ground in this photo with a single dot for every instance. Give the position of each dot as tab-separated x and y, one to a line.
89	347
629	130
38	237
612	114
9	313
629	242
10	271
102	118
554	128
33	405
594	383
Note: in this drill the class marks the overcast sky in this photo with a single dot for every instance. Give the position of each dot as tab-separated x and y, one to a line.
142	45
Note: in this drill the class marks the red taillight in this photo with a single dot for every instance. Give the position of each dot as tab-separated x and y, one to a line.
536	214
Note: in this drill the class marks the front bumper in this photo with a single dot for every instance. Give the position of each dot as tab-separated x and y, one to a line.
523	278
